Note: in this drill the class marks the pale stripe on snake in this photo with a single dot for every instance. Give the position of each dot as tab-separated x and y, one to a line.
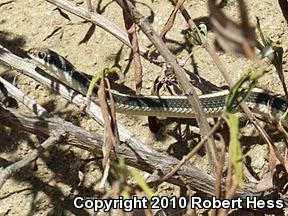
260	101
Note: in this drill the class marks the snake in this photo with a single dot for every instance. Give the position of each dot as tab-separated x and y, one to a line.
260	101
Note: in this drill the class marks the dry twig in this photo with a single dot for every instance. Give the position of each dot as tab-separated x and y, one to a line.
132	35
110	126
28	159
169	23
27	101
134	156
191	153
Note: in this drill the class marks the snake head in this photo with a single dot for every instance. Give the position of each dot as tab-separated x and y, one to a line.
51	60
40	55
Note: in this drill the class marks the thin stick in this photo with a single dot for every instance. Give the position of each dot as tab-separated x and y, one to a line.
28	159
27	101
133	38
191	153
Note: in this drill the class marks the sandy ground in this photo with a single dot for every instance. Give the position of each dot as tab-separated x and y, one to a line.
48	187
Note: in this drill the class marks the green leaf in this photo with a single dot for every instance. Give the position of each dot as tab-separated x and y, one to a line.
265	40
96	79
280	124
278	60
126	194
274	53
123	173
194	38
242	89
235	149
267	49
141	182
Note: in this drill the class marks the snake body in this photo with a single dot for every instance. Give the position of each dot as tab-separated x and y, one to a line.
259	101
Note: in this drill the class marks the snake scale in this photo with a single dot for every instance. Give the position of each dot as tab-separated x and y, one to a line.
259	101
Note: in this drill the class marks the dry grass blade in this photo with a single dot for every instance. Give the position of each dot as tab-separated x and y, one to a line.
89	34
109	116
54	32
231	36
63	14
111	139
132	35
284	7
273	158
169	23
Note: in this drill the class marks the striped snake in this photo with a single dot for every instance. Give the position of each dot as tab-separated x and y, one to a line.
259	101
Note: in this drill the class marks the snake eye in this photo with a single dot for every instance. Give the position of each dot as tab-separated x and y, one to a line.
41	55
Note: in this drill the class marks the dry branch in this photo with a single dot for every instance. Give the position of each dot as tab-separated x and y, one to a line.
81	138
27	101
134	156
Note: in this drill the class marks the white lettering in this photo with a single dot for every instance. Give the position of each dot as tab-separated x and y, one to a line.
76	204
196	202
